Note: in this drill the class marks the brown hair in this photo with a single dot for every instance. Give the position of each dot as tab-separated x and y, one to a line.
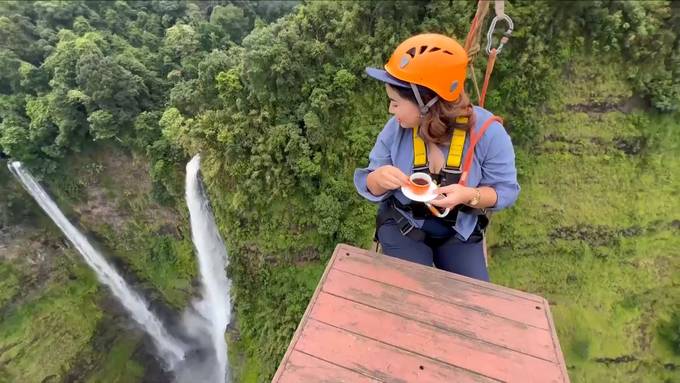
440	120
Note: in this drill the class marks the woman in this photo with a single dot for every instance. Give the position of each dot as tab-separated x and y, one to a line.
432	128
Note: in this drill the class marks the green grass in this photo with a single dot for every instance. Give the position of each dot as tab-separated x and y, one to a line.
119	365
41	338
244	368
595	231
163	263
9	283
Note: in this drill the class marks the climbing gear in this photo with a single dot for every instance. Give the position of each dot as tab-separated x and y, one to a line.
388	212
506	34
472	42
494	52
453	163
456	169
434	61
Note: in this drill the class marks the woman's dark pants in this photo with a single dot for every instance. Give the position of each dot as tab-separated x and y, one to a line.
440	247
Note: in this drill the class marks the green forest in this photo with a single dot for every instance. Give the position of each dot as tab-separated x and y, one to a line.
106	101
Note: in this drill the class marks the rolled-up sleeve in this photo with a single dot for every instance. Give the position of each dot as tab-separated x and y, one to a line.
379	156
499	171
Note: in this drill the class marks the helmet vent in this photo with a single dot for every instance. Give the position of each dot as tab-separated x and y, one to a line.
434	49
411	52
423	49
448	53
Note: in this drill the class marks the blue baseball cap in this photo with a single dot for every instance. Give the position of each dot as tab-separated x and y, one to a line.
382	75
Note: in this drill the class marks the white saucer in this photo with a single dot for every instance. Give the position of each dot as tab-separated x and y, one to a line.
427	197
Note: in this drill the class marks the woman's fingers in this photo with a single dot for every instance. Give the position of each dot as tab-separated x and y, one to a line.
396	178
443	202
399	176
445	189
392	181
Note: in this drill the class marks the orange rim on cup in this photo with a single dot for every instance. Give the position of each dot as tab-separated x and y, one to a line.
419	183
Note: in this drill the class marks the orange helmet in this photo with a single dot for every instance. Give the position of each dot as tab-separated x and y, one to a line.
431	60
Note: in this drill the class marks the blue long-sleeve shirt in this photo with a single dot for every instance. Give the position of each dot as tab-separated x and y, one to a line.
493	164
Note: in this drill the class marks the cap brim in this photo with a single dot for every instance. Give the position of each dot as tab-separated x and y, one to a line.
382	75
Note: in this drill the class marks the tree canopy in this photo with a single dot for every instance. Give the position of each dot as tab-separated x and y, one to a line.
275	97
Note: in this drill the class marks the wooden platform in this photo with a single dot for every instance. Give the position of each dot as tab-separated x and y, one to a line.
374	318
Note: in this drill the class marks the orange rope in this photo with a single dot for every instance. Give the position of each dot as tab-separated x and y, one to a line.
487	76
473	29
472	39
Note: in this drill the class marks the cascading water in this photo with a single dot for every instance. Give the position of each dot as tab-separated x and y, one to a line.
205	323
215	306
170	349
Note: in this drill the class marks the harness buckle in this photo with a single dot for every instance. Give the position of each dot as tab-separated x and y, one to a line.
408	228
452	171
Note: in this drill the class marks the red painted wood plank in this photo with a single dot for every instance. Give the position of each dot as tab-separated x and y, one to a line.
308	369
492	361
437	284
375	359
342	249
447	316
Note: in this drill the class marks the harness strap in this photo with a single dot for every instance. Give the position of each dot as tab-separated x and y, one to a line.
453	160
474	138
385	213
419	151
456	149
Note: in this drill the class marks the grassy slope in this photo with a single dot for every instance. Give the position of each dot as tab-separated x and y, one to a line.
596	230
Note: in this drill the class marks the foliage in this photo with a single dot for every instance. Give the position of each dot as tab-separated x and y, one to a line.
270	314
274	96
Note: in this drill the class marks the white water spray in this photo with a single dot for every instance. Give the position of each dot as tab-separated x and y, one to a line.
215	306
170	349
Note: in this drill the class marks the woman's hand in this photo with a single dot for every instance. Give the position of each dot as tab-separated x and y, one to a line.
386	178
453	195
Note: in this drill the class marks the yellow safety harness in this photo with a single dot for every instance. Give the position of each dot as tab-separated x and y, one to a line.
453	162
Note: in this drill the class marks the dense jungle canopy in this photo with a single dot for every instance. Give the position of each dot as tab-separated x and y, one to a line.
107	100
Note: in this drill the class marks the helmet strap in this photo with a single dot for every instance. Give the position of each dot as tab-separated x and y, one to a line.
424	108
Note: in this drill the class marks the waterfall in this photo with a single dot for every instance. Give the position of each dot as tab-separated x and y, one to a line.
169	349
214	306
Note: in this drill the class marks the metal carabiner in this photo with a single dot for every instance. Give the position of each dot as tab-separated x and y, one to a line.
506	34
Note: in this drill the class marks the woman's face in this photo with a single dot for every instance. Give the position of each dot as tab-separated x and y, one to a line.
406	111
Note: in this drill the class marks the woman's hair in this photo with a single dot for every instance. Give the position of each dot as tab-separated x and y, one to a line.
440	120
